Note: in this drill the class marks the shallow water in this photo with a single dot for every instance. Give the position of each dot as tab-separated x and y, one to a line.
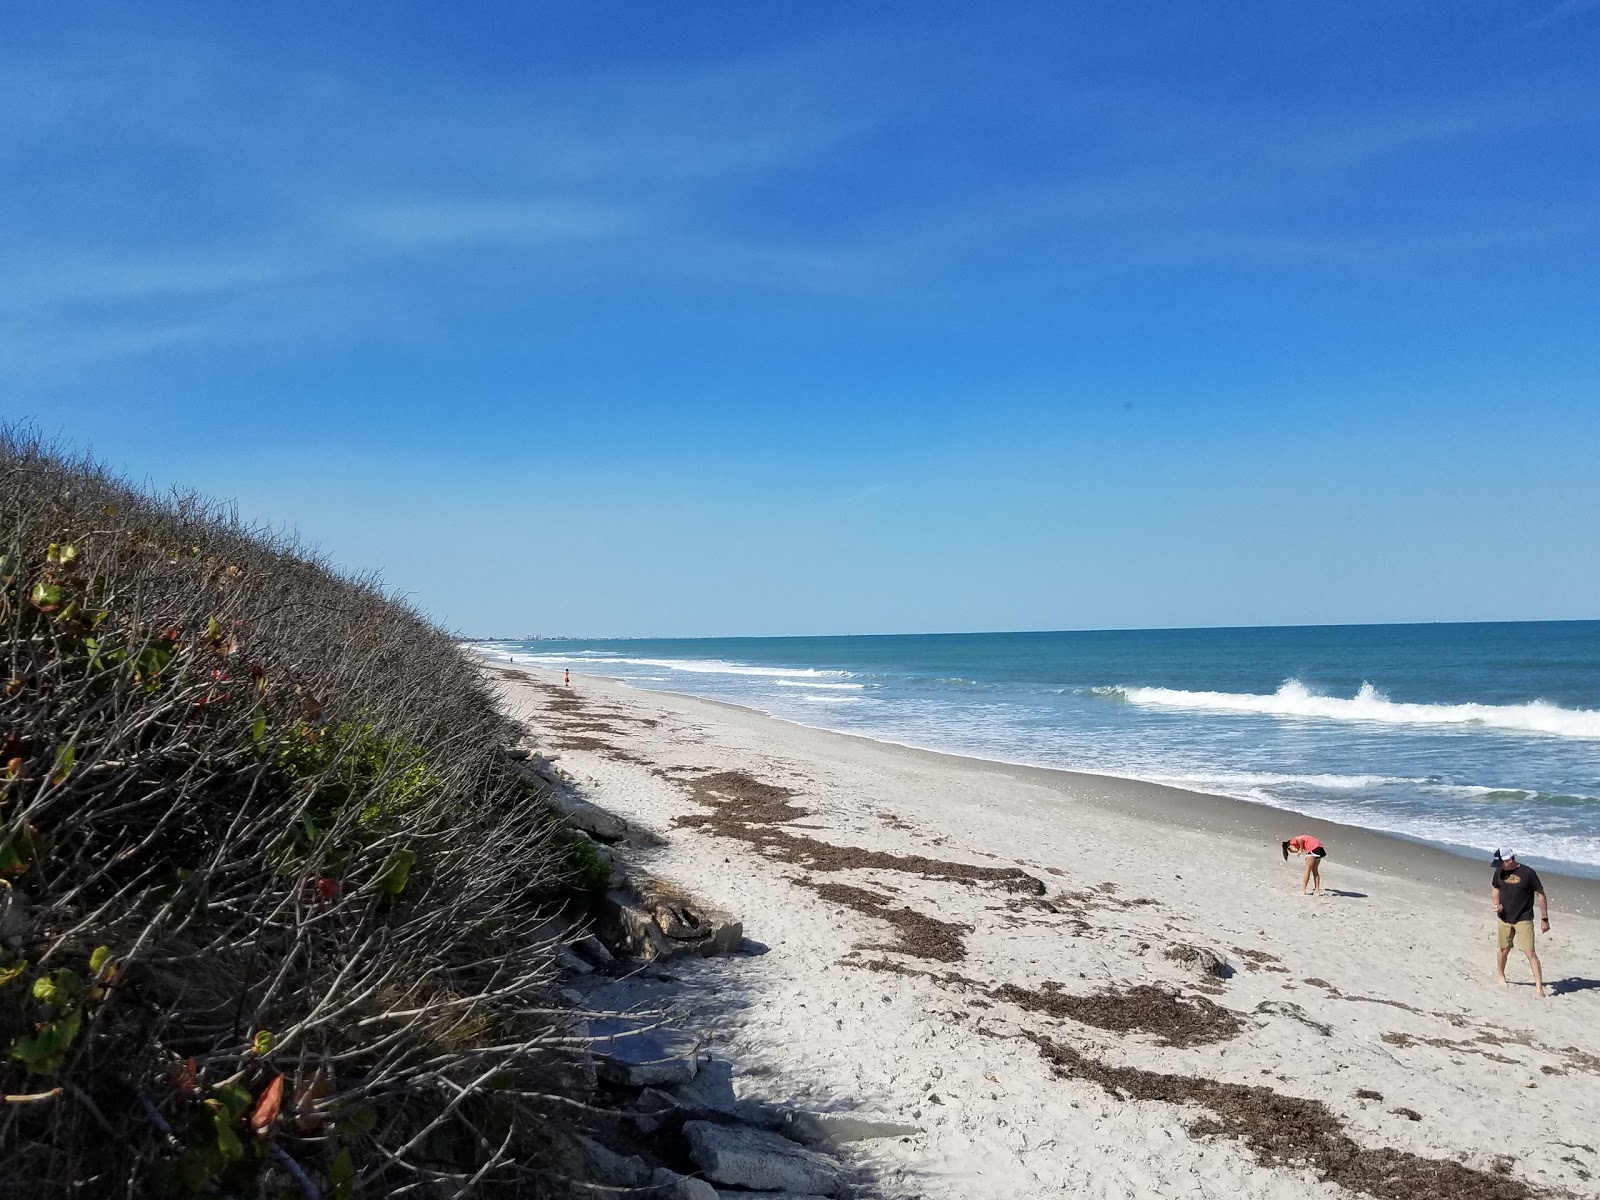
1465	736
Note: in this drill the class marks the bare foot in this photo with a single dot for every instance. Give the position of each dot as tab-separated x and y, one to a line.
1501	980
1539	991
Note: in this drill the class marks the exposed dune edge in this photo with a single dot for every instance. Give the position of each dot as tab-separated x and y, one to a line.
1086	987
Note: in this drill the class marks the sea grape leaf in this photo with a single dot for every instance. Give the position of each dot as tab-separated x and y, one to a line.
266	1113
228	1143
397	871
343	1176
64	760
234	1098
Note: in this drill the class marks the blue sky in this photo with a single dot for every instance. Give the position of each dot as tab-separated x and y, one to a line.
809	318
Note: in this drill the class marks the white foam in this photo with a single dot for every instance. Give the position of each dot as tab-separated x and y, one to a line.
1294	699
697	666
1267	779
811	683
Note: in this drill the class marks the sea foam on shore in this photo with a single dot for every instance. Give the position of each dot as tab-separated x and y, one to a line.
1463	736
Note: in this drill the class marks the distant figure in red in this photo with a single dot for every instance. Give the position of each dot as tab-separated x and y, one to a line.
1311	850
567	678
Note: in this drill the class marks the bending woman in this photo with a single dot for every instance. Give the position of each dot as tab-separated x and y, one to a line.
1311	850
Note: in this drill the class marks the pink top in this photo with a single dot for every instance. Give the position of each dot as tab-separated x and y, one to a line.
1304	844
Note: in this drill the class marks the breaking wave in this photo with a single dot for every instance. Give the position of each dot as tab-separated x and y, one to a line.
1294	699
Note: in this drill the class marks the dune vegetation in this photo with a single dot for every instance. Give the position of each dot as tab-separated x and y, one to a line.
271	893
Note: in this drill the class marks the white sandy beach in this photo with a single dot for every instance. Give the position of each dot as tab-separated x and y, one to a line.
1377	1000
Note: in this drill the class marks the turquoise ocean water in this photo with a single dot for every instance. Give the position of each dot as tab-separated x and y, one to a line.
1464	736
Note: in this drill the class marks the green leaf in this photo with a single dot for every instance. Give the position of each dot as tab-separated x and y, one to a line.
7	974
101	956
44	990
228	1143
11	859
69	983
45	595
42	1053
8	565
343	1176
63	768
258	732
213	629
263	1043
397	871
234	1098
61	555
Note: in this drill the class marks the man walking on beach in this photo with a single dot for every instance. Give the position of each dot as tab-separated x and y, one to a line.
1513	889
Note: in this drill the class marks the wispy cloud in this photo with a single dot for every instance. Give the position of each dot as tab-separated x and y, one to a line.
1564	11
186	193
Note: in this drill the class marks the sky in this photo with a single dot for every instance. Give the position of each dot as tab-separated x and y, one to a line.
796	318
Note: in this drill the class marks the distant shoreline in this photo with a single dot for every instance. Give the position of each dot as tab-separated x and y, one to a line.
1190	808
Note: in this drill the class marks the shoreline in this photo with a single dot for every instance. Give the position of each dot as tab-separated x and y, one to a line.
1188	808
1074	984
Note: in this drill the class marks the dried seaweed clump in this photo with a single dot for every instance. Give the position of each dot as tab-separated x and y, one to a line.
751	810
1174	1020
1285	1130
916	934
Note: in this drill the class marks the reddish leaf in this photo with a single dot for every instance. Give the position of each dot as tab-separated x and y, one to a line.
318	1087
327	888
184	1080
266	1112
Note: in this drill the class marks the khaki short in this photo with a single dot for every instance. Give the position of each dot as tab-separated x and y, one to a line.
1519	935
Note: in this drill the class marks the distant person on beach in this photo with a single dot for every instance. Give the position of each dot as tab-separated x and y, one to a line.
1312	851
1513	889
566	678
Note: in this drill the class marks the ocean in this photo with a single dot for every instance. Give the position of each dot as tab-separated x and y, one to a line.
1465	736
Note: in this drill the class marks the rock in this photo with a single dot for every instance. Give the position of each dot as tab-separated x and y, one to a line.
652	1109
593	949
1201	961
648	918
518	753
761	1161
672	1186
629	930
586	1159
711	1094
828	1129
571	963
597	822
764	1196
710	1091
626	1051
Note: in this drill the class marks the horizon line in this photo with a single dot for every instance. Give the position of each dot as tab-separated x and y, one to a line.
708	637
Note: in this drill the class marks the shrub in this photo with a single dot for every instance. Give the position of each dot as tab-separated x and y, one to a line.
270	895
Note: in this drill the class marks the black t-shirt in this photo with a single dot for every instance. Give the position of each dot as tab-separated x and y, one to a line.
1517	886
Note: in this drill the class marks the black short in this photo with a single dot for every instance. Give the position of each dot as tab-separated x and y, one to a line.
1320	852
